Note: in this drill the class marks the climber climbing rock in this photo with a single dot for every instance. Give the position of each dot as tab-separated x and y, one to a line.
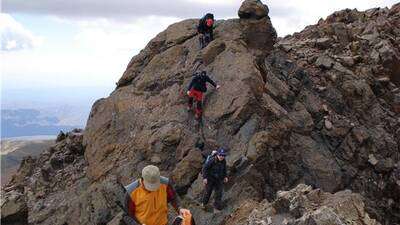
205	29
146	199
214	175
196	89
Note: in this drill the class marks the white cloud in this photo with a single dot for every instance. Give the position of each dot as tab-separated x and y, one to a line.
103	35
14	36
96	55
101	47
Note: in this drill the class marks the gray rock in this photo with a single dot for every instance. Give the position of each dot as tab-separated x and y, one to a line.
323	43
324	62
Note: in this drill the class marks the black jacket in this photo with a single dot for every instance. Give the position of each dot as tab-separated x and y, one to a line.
199	82
203	28
215	170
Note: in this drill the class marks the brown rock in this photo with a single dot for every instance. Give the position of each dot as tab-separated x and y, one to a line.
213	50
187	170
14	208
253	9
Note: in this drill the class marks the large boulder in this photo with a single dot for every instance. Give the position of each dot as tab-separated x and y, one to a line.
14	208
253	9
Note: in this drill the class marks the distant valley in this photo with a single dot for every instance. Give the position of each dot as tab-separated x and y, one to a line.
29	122
31	119
13	151
31	112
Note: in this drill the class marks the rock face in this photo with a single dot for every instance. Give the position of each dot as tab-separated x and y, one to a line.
253	9
45	189
302	206
319	108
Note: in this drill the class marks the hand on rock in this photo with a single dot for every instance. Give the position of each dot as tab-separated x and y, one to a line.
183	211
205	181
188	92
218	86
225	180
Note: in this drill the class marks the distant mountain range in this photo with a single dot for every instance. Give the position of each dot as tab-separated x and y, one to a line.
46	111
29	122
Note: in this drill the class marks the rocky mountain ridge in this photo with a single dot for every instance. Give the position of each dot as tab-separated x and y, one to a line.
320	107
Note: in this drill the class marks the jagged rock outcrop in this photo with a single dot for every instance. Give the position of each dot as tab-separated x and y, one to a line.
44	189
319	107
302	206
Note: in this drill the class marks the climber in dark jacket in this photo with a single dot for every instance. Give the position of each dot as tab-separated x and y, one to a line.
196	88
214	175
205	29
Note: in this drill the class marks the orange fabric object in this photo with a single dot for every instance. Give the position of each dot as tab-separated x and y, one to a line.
151	207
187	217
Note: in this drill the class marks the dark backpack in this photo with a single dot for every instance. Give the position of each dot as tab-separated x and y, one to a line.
211	156
197	77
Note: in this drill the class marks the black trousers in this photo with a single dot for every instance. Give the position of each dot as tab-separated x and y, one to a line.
211	186
205	39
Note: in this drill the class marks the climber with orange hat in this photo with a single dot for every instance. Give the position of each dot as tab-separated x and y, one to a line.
146	200
205	29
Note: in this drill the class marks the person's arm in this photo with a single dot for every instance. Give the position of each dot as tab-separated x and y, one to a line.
224	172
130	208
200	28
190	85
172	197
209	80
206	167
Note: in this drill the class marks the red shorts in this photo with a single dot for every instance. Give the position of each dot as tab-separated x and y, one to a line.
197	95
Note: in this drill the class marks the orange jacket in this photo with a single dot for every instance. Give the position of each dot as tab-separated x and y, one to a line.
150	207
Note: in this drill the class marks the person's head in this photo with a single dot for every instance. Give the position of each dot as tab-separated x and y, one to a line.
221	153
151	178
209	22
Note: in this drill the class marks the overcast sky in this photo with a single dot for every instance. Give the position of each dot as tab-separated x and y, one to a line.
55	43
